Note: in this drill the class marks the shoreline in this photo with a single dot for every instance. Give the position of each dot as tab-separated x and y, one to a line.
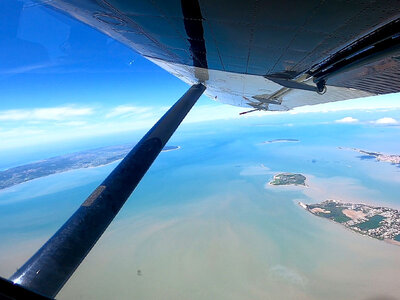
291	184
275	177
392	242
389	241
75	169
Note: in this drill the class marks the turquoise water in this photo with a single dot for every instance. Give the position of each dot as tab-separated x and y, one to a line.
203	224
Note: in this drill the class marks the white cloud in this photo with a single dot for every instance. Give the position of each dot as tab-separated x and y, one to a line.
127	111
208	112
16	133
347	120
386	121
44	114
382	102
73	123
24	68
39	125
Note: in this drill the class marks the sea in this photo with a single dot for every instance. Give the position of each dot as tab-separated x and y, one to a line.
205	224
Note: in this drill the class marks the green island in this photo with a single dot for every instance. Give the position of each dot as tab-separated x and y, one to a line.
378	222
288	179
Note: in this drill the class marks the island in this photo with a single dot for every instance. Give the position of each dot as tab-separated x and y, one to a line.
391	158
377	222
288	179
78	160
281	141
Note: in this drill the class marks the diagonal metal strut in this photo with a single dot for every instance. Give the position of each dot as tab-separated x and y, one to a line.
52	265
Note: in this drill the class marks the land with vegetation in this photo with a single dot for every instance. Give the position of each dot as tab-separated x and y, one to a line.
288	179
391	158
378	222
78	160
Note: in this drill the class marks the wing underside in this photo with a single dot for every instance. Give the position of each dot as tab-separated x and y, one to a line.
270	55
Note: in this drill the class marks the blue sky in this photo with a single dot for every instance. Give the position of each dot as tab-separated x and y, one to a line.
60	79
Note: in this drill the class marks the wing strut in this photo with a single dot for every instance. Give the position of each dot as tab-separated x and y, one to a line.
53	264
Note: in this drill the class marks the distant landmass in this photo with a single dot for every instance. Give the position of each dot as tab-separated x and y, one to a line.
378	222
281	141
288	179
391	158
84	159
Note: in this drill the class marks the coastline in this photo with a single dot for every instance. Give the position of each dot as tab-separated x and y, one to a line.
289	185
75	169
277	175
389	241
392	242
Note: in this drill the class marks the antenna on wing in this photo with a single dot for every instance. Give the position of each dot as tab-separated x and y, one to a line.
249	111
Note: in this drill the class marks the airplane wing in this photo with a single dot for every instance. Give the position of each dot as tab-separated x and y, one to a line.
269	55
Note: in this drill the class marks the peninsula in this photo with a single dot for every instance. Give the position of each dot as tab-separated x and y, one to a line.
288	179
391	158
78	160
378	222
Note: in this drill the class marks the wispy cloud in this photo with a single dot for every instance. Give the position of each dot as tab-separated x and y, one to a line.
6	134
44	114
386	121
373	103
347	120
209	112
24	68
124	111
21	127
73	123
